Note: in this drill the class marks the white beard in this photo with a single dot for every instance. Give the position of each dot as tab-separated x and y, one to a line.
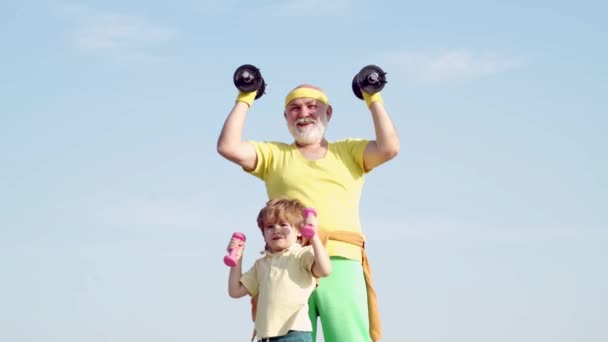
309	134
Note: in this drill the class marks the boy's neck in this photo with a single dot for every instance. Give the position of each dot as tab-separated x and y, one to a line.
284	249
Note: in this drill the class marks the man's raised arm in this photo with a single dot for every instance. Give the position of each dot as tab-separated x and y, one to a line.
230	143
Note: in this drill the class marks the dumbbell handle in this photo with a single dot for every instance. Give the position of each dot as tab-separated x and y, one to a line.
373	78
309	230
231	259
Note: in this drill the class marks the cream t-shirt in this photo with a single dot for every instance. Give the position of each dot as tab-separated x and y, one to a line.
283	282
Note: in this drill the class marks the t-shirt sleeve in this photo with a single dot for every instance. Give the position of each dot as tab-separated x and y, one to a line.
356	149
250	280
264	152
307	258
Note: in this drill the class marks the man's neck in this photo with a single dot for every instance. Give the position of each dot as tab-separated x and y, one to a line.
313	146
313	151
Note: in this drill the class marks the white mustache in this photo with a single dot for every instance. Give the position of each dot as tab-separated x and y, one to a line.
304	120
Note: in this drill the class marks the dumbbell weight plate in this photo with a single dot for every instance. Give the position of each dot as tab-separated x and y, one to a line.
247	78
262	89
371	79
356	88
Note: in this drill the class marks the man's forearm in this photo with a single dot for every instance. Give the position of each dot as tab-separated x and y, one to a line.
232	131
387	139
235	288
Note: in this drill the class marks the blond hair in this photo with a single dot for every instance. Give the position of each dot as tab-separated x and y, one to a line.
282	210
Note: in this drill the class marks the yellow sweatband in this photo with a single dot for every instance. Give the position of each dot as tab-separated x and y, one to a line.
303	92
371	98
248	98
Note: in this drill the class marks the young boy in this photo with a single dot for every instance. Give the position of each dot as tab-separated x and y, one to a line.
284	278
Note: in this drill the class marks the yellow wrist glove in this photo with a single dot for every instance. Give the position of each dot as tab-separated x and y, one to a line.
248	98
371	98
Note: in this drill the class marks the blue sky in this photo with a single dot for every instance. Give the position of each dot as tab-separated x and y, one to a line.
115	209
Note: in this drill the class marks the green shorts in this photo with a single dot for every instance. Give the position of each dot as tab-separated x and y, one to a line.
340	302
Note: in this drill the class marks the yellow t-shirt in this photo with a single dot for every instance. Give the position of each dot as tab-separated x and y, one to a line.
283	282
332	185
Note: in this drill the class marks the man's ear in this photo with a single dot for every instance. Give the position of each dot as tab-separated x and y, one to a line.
329	111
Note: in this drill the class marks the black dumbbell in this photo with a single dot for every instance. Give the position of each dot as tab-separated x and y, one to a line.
247	78
371	79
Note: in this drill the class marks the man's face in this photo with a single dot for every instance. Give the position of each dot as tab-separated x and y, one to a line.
307	120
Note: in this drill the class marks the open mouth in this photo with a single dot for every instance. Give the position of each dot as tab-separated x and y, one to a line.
304	122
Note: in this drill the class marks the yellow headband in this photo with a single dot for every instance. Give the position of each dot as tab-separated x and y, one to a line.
312	93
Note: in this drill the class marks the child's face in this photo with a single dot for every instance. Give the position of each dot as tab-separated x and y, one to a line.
280	236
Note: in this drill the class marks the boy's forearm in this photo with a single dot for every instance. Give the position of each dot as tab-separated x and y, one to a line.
322	266
234	280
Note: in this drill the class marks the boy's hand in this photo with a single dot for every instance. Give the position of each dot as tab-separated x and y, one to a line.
309	227
238	246
312	221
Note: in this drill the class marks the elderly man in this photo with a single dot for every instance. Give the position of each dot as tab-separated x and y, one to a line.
329	177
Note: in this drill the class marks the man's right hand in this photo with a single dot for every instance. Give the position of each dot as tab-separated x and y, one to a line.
371	98
247	98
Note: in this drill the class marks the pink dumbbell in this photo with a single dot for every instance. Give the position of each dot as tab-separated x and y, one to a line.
231	258
309	229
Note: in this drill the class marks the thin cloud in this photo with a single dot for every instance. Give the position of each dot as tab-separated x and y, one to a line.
449	66
149	212
111	31
304	7
459	231
312	5
212	8
126	35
